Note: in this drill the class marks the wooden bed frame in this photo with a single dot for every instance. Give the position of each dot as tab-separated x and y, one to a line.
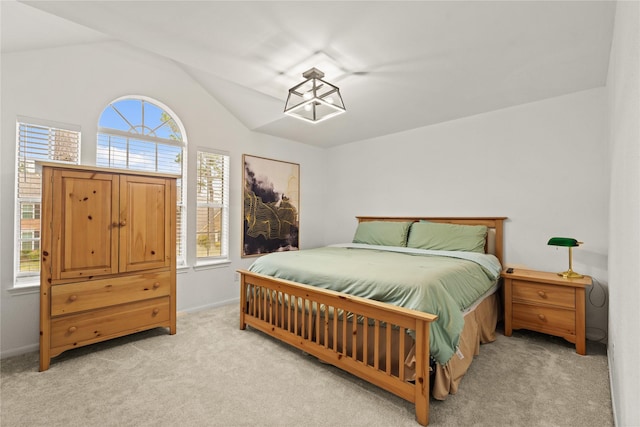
273	306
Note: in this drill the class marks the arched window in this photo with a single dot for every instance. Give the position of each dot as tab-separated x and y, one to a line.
141	134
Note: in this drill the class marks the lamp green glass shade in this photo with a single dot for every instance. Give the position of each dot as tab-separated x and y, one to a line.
570	243
563	241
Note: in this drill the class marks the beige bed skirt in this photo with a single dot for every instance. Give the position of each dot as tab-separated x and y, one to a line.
479	328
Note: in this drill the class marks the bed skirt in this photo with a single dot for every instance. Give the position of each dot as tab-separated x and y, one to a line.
479	328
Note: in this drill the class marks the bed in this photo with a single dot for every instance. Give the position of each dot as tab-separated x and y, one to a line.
361	307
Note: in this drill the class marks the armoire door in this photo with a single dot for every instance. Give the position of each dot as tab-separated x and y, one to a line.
85	226
147	223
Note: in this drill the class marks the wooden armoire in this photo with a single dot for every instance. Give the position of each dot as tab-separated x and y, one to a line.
108	264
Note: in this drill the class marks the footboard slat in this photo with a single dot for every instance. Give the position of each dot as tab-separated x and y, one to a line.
401	354
310	320
354	340
344	334
317	322
335	330
388	352
376	344
365	343
268	304
295	316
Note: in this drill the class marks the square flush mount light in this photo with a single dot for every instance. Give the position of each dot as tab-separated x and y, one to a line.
314	100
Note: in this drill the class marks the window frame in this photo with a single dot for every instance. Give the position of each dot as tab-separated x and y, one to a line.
223	206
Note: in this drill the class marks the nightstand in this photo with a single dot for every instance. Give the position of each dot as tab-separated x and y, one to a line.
547	303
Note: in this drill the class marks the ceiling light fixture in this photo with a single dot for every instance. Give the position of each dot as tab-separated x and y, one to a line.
314	100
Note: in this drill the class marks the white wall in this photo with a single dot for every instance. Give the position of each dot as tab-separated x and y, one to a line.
623	88
543	165
73	85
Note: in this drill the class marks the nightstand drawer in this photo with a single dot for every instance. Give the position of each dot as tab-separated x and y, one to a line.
540	293
544	319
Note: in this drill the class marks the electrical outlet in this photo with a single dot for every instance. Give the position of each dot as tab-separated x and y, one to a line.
236	277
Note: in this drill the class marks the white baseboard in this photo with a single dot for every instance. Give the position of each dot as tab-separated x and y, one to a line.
208	306
35	347
19	351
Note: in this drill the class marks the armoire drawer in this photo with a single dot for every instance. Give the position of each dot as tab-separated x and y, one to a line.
81	296
105	323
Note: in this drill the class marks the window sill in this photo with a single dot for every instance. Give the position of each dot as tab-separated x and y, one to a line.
183	269
206	265
24	289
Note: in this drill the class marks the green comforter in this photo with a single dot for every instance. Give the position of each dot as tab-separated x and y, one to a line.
437	282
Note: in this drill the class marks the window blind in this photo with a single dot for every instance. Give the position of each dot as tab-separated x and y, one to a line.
36	143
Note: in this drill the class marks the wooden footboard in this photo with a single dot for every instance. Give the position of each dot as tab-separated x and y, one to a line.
328	325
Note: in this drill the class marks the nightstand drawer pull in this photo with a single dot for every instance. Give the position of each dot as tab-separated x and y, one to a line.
542	294
72	329
72	298
541	316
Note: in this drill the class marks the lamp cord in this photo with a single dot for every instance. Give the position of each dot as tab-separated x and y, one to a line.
604	294
590	298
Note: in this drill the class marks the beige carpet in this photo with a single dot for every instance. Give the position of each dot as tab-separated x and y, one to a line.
212	374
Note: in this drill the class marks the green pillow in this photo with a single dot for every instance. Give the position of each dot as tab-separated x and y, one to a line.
447	237
385	233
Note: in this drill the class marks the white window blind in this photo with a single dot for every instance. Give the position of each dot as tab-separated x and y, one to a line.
36	142
212	223
126	152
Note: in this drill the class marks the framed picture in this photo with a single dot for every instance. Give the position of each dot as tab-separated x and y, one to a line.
270	212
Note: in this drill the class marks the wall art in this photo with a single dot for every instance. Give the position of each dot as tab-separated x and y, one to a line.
271	205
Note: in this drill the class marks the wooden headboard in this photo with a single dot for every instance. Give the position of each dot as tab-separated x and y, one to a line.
495	237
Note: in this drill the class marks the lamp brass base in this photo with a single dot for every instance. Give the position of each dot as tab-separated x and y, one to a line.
570	274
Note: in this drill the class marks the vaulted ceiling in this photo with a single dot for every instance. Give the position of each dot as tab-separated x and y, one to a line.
399	64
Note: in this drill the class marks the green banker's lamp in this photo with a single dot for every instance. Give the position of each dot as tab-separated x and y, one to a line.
570	243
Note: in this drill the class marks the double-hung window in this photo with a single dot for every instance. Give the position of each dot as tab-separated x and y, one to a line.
212	219
37	140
